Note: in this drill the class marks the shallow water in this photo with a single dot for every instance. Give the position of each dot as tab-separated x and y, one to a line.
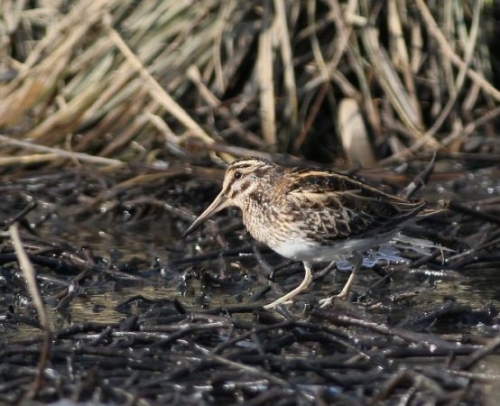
151	245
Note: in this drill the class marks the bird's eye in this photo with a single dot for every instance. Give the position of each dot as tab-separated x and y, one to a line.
237	175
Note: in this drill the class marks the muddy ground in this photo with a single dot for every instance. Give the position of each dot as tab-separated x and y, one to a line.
138	315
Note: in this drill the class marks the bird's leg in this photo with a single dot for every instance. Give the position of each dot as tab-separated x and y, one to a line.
303	286
358	261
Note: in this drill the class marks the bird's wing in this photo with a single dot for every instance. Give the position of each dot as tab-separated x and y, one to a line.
339	206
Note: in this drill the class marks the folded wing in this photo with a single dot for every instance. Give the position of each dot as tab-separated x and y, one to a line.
335	206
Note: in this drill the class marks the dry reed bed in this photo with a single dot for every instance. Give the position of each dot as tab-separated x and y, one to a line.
142	81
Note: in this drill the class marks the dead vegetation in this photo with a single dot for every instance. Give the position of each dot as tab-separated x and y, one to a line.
113	111
150	81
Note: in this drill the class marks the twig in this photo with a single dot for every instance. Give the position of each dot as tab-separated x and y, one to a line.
482	352
29	274
420	180
461	208
29	207
62	153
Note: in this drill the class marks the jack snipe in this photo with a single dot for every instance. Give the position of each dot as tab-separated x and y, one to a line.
310	215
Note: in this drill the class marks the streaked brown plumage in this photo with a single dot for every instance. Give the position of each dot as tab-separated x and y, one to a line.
310	215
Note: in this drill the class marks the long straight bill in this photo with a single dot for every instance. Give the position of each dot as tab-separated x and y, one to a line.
217	205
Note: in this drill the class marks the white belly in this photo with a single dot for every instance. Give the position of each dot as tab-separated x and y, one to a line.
305	251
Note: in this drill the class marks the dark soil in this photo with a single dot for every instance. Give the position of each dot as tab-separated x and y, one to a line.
140	316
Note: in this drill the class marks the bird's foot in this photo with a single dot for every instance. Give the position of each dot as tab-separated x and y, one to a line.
329	300
326	302
303	286
281	300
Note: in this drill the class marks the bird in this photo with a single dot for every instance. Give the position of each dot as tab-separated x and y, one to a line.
310	214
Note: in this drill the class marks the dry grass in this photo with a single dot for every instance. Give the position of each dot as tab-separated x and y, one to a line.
146	81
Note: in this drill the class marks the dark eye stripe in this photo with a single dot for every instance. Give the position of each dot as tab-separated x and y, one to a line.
245	186
233	193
